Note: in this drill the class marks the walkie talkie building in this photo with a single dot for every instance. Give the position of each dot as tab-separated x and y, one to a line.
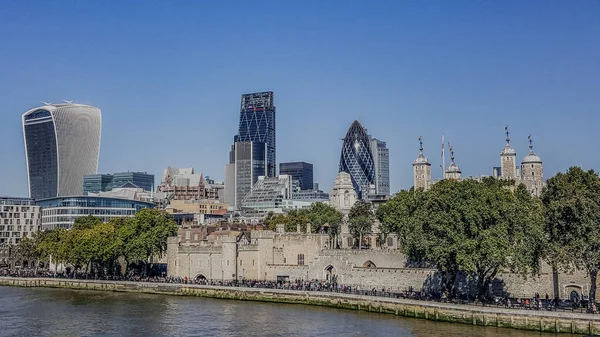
357	160
62	144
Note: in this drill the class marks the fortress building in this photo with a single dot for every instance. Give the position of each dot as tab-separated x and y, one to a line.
530	173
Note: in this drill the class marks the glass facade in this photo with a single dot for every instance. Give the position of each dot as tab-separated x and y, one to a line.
62	211
257	124
381	158
301	172
249	165
357	160
42	159
62	145
139	179
95	183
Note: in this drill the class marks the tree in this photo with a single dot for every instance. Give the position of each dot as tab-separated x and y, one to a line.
361	218
572	209
468	227
86	222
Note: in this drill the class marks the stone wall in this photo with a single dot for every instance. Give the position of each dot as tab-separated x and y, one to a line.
272	255
543	321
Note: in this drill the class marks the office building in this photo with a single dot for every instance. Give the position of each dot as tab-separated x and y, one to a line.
357	160
19	218
96	183
268	194
250	164
62	211
301	173
257	124
62	145
185	184
381	159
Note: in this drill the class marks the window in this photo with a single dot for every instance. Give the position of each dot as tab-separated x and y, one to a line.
187	235
300	259
390	242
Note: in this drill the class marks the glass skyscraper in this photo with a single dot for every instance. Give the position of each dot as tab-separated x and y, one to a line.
381	158
257	124
301	172
357	160
62	144
249	165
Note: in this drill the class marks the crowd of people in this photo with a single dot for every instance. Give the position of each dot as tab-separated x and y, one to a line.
534	303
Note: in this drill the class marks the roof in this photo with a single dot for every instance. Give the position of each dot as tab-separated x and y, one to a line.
421	159
532	158
508	150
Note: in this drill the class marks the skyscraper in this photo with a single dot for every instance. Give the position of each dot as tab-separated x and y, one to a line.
301	172
249	165
62	144
357	160
381	158
257	124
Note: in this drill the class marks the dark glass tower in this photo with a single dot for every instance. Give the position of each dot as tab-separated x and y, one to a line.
257	124
357	160
301	172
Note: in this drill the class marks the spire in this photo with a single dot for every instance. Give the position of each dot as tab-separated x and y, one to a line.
420	144
530	143
507	134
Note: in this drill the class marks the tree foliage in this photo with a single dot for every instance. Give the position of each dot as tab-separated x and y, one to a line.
322	217
572	204
92	245
469	227
361	218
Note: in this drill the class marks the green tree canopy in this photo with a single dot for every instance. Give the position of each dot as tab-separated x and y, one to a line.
470	227
572	204
361	219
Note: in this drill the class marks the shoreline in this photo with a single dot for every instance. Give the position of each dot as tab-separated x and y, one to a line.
532	320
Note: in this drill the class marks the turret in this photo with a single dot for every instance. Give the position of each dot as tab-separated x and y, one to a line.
421	169
453	171
532	171
508	160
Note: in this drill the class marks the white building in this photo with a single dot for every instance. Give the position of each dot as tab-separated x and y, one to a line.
19	218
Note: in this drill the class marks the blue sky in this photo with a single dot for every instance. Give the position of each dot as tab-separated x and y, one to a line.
168	77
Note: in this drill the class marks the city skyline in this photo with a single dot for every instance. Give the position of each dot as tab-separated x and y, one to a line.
462	73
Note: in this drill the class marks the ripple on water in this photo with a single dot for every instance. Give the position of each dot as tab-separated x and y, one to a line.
59	312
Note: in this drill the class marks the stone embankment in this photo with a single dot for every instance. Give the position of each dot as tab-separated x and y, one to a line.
544	321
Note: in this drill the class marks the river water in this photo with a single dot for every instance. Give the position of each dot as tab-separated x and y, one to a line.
60	312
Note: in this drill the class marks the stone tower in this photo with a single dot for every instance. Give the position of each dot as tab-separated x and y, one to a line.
343	196
532	171
421	169
508	160
453	171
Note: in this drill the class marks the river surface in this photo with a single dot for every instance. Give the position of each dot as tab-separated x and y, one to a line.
61	312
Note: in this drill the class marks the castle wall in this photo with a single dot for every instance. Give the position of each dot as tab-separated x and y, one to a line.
263	259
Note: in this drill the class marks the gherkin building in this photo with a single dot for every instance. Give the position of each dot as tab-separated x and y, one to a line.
357	159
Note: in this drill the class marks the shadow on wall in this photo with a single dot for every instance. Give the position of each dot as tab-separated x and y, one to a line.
465	289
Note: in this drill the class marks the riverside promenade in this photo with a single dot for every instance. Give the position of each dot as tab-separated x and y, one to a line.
544	321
